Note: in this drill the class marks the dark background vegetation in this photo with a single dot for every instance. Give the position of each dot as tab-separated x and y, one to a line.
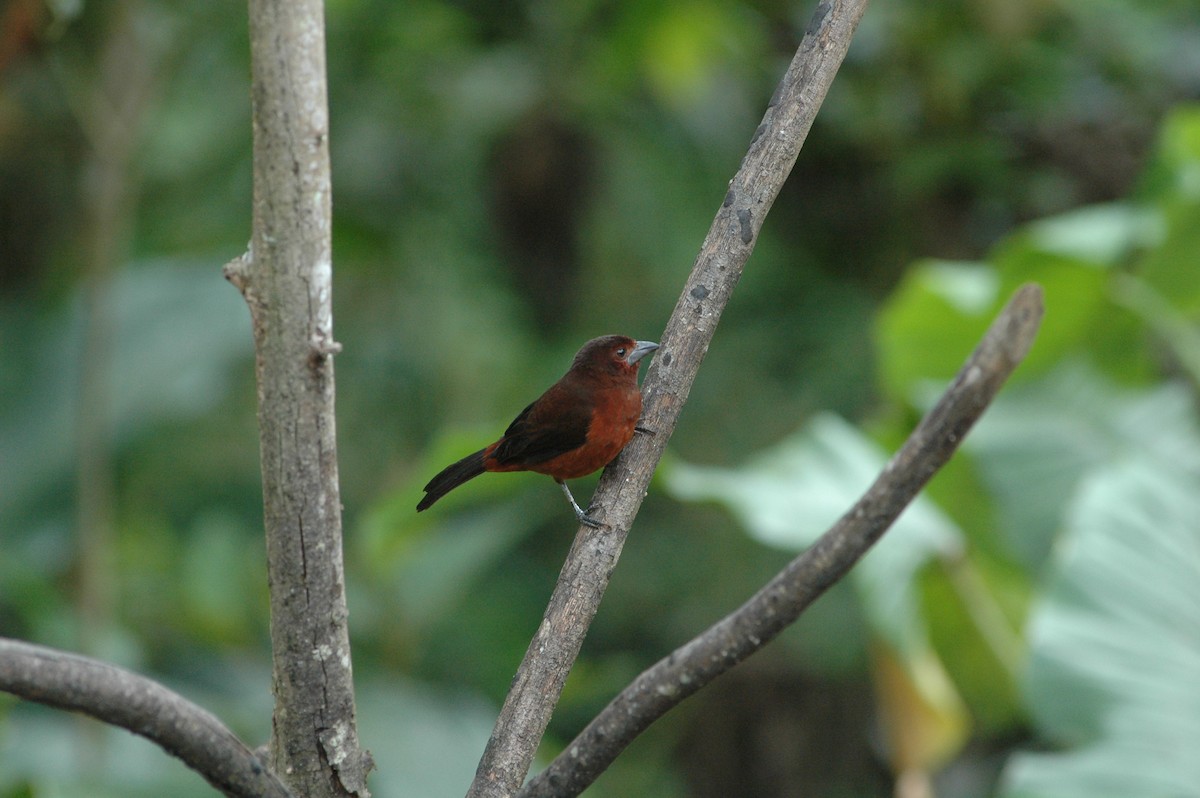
511	179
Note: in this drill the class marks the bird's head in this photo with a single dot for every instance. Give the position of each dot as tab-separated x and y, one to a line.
612	354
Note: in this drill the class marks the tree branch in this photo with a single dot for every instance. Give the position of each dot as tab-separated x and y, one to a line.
781	601
144	707
723	255
286	278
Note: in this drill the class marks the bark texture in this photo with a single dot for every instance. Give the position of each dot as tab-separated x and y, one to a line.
144	707
286	278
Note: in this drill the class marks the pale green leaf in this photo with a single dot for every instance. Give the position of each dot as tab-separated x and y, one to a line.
787	496
1115	642
1039	439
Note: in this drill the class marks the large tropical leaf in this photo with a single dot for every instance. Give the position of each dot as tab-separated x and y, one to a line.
1039	440
1115	643
787	496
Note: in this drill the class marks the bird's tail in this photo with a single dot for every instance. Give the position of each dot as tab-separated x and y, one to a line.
451	477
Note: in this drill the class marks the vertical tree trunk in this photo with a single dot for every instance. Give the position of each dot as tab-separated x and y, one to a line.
286	279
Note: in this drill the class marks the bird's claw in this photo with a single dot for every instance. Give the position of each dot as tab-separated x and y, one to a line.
583	517
644	431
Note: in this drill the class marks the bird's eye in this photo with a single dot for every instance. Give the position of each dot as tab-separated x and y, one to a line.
620	351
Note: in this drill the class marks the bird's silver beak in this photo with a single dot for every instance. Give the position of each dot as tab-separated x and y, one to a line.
640	350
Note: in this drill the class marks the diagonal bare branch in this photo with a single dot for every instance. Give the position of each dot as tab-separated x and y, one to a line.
731	238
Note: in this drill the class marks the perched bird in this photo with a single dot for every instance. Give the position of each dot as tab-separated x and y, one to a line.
576	427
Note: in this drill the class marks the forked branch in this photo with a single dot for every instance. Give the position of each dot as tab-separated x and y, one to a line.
778	604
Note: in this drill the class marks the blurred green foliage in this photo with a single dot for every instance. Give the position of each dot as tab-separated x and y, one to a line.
511	179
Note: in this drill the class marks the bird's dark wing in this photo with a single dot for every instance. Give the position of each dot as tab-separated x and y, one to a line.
555	424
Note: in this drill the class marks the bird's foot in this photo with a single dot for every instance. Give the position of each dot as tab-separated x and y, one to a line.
588	521
583	517
644	431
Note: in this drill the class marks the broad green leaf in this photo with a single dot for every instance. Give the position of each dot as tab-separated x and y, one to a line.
1039	439
928	325
1101	234
1075	286
941	308
1161	317
1115	641
789	495
1170	266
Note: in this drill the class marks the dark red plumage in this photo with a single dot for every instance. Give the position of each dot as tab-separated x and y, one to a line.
576	427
